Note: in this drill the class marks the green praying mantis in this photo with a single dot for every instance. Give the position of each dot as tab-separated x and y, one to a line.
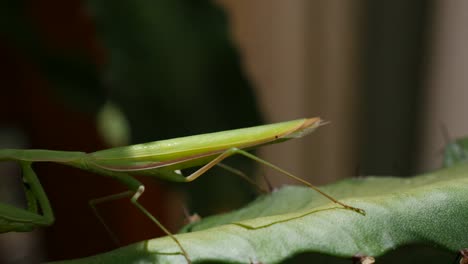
161	159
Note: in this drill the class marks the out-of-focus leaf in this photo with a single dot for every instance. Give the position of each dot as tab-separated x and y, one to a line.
456	152
113	125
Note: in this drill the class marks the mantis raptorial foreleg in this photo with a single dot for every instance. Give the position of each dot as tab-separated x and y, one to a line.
18	219
233	151
30	178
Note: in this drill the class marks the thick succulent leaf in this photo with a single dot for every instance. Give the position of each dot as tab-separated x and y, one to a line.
430	209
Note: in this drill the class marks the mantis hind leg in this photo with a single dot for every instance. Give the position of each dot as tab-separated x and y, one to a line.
248	179
233	151
134	200
94	202
242	175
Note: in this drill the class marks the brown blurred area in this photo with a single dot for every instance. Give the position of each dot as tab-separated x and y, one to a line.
386	74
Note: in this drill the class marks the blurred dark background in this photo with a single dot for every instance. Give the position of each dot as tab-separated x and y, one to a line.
88	75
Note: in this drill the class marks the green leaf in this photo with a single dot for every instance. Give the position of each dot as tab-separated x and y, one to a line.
456	152
113	125
431	209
